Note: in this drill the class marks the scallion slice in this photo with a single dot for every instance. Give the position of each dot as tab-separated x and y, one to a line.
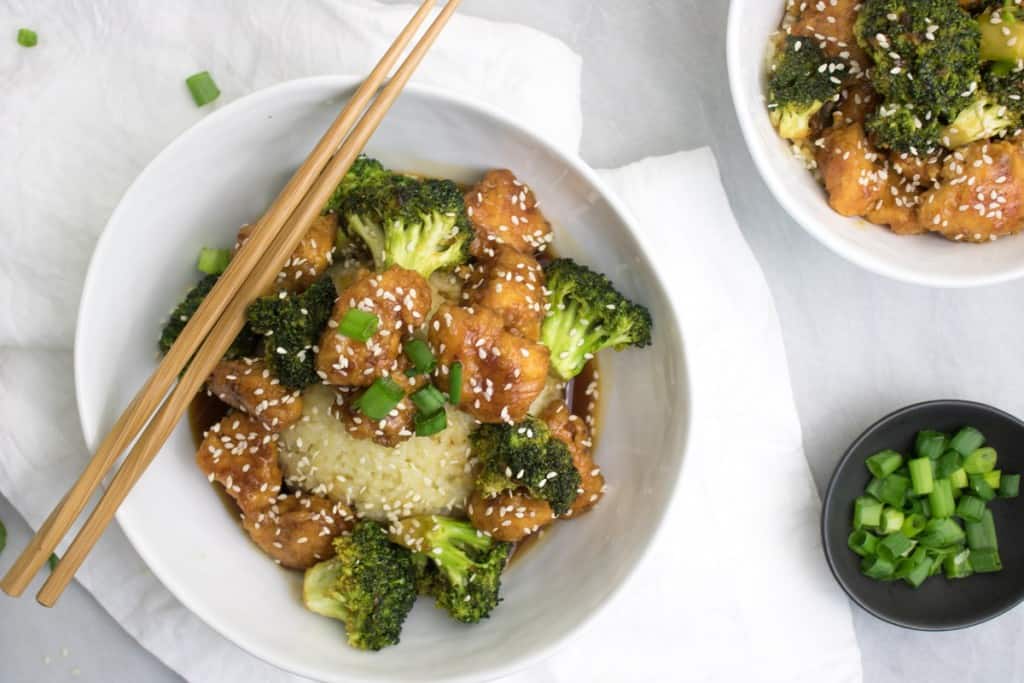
431	424
428	400
380	399
876	567
959	479
957	565
1009	486
894	490
930	444
913	524
921	475
982	535
993	478
948	462
27	37
941	533
420	355
455	386
970	508
980	461
980	486
213	261
862	542
202	87
894	546
358	325
53	561
967	440
985	561
867	512
940	500
884	463
3	537
892	521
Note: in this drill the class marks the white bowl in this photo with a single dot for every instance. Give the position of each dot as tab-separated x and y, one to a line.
922	259
224	172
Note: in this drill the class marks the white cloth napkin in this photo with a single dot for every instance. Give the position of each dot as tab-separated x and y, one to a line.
745	597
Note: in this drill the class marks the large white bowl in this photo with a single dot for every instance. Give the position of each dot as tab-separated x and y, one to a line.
921	259
224	172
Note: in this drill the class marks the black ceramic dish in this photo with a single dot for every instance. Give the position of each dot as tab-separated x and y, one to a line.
939	604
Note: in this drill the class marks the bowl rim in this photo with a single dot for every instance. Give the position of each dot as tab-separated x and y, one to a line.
737	51
682	425
830	493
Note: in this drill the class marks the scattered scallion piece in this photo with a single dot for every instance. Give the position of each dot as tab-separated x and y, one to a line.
53	561
862	542
913	524
921	475
867	512
894	546
957	565
3	537
202	87
941	499
432	424
213	261
455	385
27	37
970	508
966	441
876	567
980	461
940	533
380	399
428	400
420	355
874	488
959	479
948	462
980	487
993	478
982	535
985	561
916	568
1009	486
892	521
358	325
894	490
930	444
884	463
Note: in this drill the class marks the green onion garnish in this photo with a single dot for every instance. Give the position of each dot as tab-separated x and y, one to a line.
432	424
358	325
27	37
967	440
970	508
213	261
1009	486
884	463
913	524
984	561
941	499
948	462
980	461
867	513
202	87
892	521
894	489
420	355
981	535
3	536
455	383
930	444
380	399
877	568
862	542
428	400
53	561
940	533
957	565
921	475
980	487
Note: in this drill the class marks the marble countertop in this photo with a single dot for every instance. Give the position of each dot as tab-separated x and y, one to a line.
654	82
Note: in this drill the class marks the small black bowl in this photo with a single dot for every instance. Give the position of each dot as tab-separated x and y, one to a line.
939	604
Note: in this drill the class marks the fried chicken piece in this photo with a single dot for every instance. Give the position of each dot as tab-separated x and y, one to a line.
510	516
502	373
897	207
915	170
296	529
311	257
240	455
858	101
979	197
247	384
512	285
504	211
393	429
401	300
574	432
851	169
830	24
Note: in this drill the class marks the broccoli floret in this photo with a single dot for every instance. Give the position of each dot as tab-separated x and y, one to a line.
291	325
1002	33
418	224
925	53
464	568
586	314
984	118
901	128
525	455
801	80
245	342
369	584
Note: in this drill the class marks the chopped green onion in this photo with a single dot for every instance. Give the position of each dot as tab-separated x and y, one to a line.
876	567
884	463
913	524
958	565
428	400
959	479
27	37
948	462
981	487
980	461
914	505
53	561
892	521
894	546
867	512
966	441
202	87
930	444
455	385
3	537
993	478
985	561
894	490
380	399
916	568
874	488
940	500
921	475
432	424
420	355
213	261
862	542
1009	486
982	535
358	325
970	508
940	533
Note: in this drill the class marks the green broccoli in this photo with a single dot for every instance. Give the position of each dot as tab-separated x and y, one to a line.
291	325
586	314
925	53
418	224
900	128
369	584
464	571
245	342
986	117
801	80
525	455
1002	33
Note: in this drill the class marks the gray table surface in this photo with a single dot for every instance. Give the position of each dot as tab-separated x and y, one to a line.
654	81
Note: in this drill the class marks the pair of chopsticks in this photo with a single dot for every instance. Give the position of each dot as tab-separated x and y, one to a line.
219	319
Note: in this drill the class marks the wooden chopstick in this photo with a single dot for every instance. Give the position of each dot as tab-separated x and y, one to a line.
146	401
233	319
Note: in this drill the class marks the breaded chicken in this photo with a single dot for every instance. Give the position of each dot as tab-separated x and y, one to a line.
980	194
574	432
504	211
915	170
510	516
896	206
296	529
852	170
502	373
512	285
400	299
310	259
829	23
247	384
240	455
393	429
857	102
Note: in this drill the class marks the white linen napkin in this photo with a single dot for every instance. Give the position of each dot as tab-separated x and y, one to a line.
747	595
